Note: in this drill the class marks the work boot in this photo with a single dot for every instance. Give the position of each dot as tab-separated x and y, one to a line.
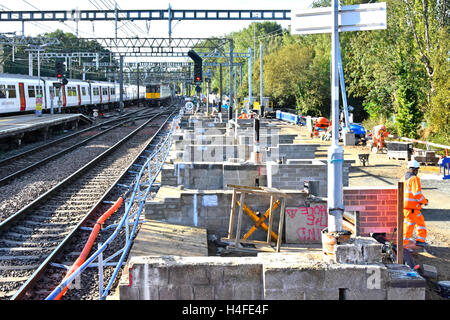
422	244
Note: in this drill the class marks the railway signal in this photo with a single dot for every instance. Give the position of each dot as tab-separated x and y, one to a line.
59	69
197	66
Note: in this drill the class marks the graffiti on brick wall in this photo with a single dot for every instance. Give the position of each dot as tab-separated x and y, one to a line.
304	224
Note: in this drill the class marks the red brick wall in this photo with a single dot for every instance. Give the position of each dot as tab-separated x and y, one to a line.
377	208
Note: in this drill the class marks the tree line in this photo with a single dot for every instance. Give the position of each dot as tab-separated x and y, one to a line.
398	76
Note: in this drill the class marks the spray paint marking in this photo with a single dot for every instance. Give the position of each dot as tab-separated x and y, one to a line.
310	221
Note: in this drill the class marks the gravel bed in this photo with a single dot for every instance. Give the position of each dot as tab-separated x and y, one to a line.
55	136
122	159
89	278
28	187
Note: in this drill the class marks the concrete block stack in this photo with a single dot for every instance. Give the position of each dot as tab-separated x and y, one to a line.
426	156
399	150
285	276
192	278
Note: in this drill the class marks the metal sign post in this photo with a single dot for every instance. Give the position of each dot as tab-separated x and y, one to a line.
347	18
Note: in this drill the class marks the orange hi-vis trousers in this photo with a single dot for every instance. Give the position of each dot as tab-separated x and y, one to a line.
413	218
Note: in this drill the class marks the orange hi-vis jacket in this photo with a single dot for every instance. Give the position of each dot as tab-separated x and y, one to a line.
413	197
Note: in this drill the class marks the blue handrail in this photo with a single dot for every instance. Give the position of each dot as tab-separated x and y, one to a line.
166	143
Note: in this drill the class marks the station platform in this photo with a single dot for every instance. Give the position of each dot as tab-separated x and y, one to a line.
21	124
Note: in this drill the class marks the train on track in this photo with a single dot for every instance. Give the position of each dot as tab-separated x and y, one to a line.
157	94
18	94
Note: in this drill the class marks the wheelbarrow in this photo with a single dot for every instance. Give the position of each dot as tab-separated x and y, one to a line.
363	158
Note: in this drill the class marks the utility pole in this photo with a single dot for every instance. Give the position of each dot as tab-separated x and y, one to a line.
137	66
115	19
335	152
121	85
249	79
30	64
261	79
231	104
220	88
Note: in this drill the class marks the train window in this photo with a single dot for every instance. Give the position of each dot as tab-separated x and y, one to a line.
152	88
31	92
83	91
11	91
95	91
57	91
2	91
113	91
74	91
105	91
39	89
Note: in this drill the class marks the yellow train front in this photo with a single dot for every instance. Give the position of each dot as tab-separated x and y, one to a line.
158	94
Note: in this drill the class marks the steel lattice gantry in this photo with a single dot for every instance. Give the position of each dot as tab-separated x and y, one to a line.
162	14
158	46
25	41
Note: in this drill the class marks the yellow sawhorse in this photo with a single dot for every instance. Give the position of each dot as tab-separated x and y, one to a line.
259	221
262	191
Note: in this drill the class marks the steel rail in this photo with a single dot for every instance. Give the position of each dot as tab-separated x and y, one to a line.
124	251
43	146
20	172
42	199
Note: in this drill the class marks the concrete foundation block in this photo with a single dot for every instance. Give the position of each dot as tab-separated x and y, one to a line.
429	271
348	253
406	294
242	274
223	292
186	292
195	275
168	293
359	250
203	293
328	294
349	139
346	276
361	294
287	294
129	293
301	278
244	291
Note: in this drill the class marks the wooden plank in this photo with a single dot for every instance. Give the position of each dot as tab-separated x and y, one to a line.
160	238
400	223
232	214
269	231
280	225
239	224
243	187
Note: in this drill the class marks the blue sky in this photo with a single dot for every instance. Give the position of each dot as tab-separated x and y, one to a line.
141	28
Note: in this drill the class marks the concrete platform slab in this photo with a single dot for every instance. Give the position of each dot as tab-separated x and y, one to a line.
14	125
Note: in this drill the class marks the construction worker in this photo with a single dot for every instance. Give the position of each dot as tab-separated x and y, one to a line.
412	204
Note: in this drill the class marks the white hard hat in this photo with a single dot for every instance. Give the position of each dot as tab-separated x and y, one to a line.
413	164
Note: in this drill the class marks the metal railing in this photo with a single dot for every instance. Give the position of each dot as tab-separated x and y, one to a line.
138	192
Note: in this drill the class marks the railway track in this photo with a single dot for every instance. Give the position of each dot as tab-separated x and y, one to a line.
32	237
15	166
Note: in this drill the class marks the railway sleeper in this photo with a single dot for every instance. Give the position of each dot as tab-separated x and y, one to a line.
34	236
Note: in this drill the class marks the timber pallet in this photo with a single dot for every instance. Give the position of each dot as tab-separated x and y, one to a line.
397	158
428	163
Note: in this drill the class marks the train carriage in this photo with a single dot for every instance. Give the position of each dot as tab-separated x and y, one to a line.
18	94
158	93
